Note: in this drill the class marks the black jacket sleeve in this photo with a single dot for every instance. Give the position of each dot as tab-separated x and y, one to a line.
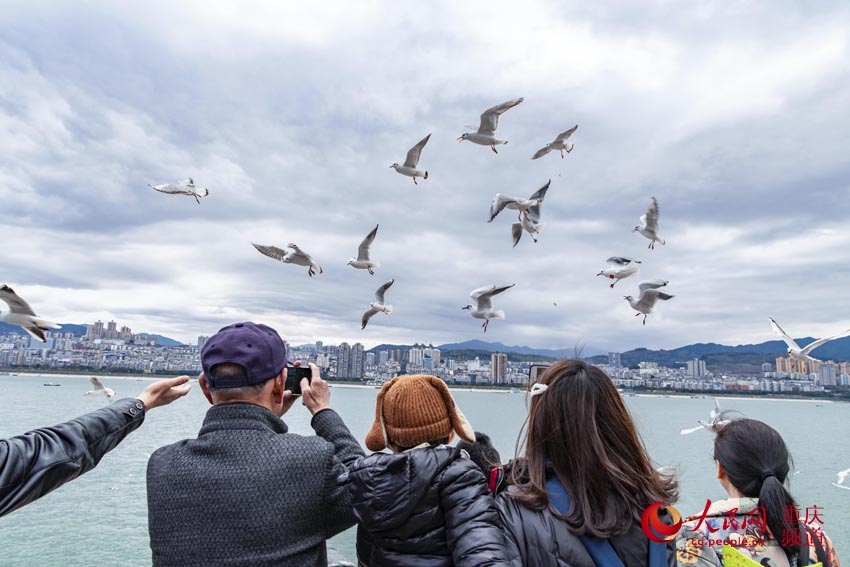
339	514
38	462
473	530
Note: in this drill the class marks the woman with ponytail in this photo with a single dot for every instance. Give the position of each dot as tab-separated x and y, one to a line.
760	518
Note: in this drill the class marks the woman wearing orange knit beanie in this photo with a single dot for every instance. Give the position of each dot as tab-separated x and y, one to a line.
425	503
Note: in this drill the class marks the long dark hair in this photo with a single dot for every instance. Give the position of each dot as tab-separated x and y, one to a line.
757	462
580	429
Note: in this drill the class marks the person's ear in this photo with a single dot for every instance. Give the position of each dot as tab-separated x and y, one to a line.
278	387
721	474
205	388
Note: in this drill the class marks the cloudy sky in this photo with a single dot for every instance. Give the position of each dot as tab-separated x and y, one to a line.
733	114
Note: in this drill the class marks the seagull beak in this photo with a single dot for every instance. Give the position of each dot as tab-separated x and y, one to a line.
460	139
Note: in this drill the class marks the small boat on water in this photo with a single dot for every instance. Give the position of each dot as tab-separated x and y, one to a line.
51	384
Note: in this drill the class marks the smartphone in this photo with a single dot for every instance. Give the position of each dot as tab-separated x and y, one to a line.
535	371
294	375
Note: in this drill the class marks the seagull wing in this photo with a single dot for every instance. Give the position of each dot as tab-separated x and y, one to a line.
96	383
843	475
540	194
299	252
363	250
516	232
366	316
691	430
271	251
650	219
415	151
484	298
490	117
499	203
16	304
564	135
651	284
620	261
188	182
715	413
648	297
778	330
379	295
541	152
810	347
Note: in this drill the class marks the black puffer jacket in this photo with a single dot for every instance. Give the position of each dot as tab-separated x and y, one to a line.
428	507
539	539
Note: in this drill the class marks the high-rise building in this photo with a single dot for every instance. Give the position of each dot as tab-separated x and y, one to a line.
383	357
319	346
202	341
498	368
844	368
415	356
614	359
357	361
95	331
112	330
782	364
828	374
370	359
696	368
343	360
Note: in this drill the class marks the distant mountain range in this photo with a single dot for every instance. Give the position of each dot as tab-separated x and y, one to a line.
80	330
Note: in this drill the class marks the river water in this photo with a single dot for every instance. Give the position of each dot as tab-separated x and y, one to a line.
101	518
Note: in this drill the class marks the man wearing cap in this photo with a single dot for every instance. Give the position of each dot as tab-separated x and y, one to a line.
247	492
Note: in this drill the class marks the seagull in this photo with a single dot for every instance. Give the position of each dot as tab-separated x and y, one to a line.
296	256
649	220
794	350
530	222
559	144
649	294
185	187
378	305
362	262
619	267
22	315
410	163
841	477
501	202
711	425
99	389
486	134
483	308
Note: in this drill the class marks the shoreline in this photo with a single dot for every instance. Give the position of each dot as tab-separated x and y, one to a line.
456	388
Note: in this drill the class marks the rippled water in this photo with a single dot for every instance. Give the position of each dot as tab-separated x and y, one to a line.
101	518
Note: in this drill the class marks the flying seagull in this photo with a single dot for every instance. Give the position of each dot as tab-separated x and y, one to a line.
560	144
486	134
711	425
649	294
99	389
794	350
22	315
501	202
362	262
409	167
483	308
378	305
295	256
649	225
841	477
185	187
619	267
529	221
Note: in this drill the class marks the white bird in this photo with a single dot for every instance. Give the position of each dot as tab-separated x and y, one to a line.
649	225
649	294
619	267
794	350
412	160
841	477
501	202
295	256
483	308
711	425
99	389
22	315
560	144
530	222
486	134
378	305
363	262
185	187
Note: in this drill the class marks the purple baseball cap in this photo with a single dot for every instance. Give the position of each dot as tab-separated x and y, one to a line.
253	346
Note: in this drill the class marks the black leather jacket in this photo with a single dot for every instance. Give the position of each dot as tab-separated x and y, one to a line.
35	463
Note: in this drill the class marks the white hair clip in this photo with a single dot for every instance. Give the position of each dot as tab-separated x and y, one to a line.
538	389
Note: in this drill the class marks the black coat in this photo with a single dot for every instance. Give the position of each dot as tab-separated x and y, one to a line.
33	464
539	539
428	507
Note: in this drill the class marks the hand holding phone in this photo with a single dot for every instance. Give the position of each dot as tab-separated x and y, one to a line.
294	375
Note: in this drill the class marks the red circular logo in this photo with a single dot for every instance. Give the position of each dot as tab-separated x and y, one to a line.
654	528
